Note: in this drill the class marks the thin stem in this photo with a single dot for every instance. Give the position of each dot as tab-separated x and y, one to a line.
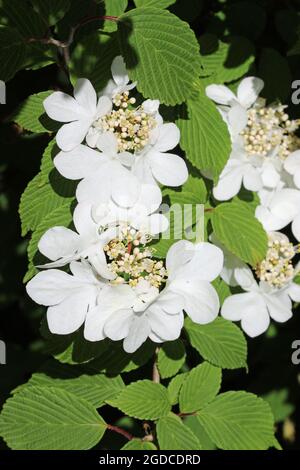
183	415
155	371
120	431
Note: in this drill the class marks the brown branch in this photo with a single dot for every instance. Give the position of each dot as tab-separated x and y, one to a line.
120	431
155	371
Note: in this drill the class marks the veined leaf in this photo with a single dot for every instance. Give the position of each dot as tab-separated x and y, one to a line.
161	54
171	357
31	114
172	434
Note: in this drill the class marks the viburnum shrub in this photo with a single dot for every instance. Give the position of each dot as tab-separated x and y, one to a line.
150	120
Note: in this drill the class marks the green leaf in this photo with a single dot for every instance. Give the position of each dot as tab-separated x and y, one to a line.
221	342
275	71
223	289
84	381
237	228
174	387
143	400
172	434
47	192
225	62
12	52
200	387
154	3
238	421
138	444
51	11
171	358
204	136
277	400
92	58
41	418
195	426
22	17
62	216
161	54
31	114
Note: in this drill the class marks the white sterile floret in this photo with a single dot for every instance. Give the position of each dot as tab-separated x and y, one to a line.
153	164
79	112
261	144
272	296
292	166
100	170
71	298
119	84
278	209
158	314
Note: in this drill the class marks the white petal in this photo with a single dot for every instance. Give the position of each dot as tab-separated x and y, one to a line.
270	176
245	278
279	307
234	306
237	118
108	144
72	134
220	94
230	184
178	255
150	197
155	223
58	242
69	315
294	292
83	271
249	90
104	106
118	324
168	169
83	221
255	321
252	179
170	302
292	166
205	265
86	96
296	227
201	301
139	332
125	189
118	71
62	107
126	158
168	137
52	287
94	323
78	163
167	327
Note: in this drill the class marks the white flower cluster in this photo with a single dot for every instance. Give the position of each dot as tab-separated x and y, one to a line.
118	149
265	158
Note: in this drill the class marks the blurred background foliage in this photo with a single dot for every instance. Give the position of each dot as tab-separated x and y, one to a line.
273	29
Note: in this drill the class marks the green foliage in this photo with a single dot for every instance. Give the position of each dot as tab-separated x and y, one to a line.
221	342
203	128
194	424
31	114
238	421
172	434
200	387
171	358
154	3
12	52
51	11
236	227
278	401
84	381
92	58
42	418
47	192
224	62
143	400
160	52
138	444
174	387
